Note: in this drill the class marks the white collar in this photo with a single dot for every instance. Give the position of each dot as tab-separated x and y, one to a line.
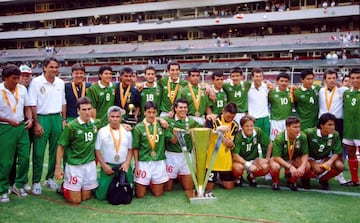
305	89
176	118
82	122
278	90
177	81
145	86
245	137
318	133
103	86
253	85
216	91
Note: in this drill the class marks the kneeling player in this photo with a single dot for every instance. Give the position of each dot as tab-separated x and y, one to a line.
247	154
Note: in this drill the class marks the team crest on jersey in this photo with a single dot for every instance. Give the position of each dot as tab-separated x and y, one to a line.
95	129
314	140
302	96
347	96
276	96
79	132
329	142
254	140
42	90
113	91
101	93
298	144
157	92
160	131
230	88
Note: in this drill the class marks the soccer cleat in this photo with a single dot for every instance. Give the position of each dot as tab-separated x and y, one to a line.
305	183
239	182
4	198
20	192
350	184
324	185
275	186
60	190
292	186
251	180
27	188
341	178
51	184
36	189
209	194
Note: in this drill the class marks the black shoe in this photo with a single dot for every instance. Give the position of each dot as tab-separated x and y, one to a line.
292	186
324	185
305	183
275	186
239	182
350	184
60	190
251	180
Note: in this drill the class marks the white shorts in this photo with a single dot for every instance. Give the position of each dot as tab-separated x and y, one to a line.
200	120
154	171
80	177
276	126
351	142
176	164
237	118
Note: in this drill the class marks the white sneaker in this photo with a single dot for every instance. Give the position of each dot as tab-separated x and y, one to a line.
9	191
4	198
19	191
27	188
36	189
341	178
50	183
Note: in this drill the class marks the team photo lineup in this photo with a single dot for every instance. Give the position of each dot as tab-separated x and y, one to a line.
130	131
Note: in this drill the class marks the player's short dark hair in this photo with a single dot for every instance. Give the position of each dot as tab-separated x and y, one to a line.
149	68
217	74
104	68
77	66
127	70
305	73
236	70
113	108
150	104
246	118
10	69
282	75
256	70
354	71
330	71
292	120
172	63
324	118
180	100
83	101
231	107
47	60
193	70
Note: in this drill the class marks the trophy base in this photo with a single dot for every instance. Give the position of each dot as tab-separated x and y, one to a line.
130	121
202	200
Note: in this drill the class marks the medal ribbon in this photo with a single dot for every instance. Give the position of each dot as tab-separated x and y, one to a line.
152	139
196	99
116	142
291	148
172	96
328	103
7	99
76	92
122	97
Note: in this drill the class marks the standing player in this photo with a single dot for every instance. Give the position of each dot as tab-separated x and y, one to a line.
280	105
221	97
149	140
290	150
151	90
47	98
113	147
222	168
102	94
352	125
306	100
324	151
14	134
247	154
78	138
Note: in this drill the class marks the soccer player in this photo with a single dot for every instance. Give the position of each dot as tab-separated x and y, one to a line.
14	134
221	97
78	138
75	90
280	104
236	92
325	151
222	168
102	94
199	103
127	97
176	165
149	140
48	104
151	90
291	151
352	125
306	100
247	154
170	86
113	147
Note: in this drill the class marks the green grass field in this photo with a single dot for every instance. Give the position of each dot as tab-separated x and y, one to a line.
239	205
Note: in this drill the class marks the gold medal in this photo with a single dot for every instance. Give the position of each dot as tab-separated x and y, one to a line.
73	86
196	99
116	143
123	97
153	153
123	112
172	94
117	158
197	114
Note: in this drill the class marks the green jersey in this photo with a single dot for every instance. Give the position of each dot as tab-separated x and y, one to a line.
238	94
78	139
142	143
280	146
204	99
220	102
186	124
102	99
351	114
173	92
307	105
322	147
150	94
280	104
247	147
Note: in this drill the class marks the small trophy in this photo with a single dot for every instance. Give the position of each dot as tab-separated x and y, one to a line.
201	138
130	116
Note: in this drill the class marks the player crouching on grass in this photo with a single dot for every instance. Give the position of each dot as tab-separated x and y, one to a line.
247	154
78	137
325	151
290	150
